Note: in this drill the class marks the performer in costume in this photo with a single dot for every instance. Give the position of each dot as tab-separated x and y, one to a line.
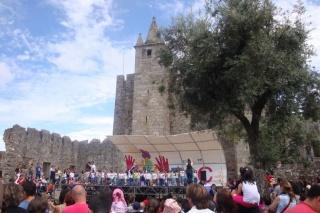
189	172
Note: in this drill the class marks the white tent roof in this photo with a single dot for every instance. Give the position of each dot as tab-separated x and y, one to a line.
201	147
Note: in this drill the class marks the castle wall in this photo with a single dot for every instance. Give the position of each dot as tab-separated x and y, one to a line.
26	147
2	162
123	105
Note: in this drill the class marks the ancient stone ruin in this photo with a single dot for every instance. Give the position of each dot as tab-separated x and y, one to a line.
27	147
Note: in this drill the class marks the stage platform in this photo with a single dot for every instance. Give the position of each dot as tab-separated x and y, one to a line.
136	191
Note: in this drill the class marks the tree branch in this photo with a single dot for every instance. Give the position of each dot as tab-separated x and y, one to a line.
258	106
244	120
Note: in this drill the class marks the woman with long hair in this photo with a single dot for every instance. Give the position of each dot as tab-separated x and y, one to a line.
119	204
285	200
246	195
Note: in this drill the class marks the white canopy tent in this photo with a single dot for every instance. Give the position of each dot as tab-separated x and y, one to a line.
203	148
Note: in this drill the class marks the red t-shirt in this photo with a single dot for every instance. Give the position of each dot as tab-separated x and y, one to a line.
301	208
76	208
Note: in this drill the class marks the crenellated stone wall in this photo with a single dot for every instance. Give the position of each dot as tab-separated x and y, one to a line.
27	147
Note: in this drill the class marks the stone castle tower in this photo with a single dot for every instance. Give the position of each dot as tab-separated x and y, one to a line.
141	106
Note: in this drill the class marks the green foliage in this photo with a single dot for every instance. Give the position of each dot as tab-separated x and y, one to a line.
285	139
240	61
316	147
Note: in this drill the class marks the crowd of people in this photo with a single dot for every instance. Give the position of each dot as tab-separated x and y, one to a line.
91	175
244	196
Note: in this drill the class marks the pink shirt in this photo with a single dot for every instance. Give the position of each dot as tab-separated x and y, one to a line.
76	208
300	208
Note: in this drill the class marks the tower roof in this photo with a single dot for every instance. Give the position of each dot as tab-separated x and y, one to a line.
153	34
139	40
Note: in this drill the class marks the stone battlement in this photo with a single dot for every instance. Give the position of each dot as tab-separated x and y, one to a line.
27	147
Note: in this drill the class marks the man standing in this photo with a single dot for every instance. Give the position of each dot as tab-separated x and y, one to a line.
79	196
29	189
53	174
189	172
93	167
38	171
311	204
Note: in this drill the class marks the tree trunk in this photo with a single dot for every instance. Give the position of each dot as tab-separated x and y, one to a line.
253	141
252	130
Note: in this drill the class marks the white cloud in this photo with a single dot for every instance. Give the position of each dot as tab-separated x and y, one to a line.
176	7
86	48
96	132
60	75
94	120
53	97
5	74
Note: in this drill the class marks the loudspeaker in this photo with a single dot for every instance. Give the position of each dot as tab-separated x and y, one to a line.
203	175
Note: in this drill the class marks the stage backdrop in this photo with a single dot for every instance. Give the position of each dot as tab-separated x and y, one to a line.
203	148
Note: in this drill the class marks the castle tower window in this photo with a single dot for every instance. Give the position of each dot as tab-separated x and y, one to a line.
146	119
149	52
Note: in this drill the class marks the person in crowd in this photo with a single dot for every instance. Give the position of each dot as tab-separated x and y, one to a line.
101	202
38	171
198	198
184	203
224	202
63	199
68	199
276	189
286	199
52	174
12	195
79	196
38	205
50	188
20	179
213	190
93	167
171	206
135	207
246	195
311	204
29	189
153	206
189	172
119	204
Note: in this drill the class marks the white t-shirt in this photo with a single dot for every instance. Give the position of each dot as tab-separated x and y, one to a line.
161	175
154	176
195	210
148	176
93	167
250	193
71	175
110	175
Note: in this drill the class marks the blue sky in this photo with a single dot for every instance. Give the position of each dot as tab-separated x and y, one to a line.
59	58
